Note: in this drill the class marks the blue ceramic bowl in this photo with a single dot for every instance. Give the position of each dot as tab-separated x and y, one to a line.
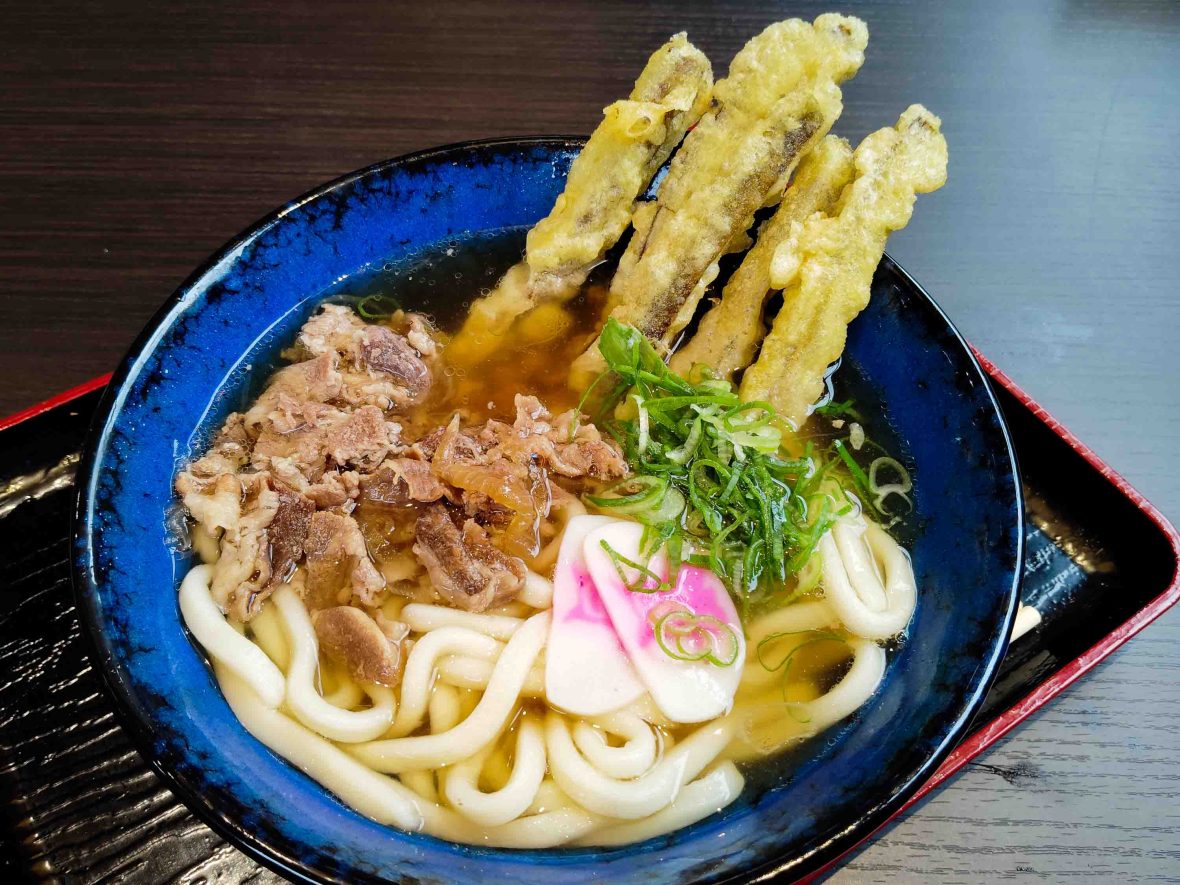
193	364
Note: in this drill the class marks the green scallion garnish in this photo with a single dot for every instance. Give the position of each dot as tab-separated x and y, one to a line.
710	479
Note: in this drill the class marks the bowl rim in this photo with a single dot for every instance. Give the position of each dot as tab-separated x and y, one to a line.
127	704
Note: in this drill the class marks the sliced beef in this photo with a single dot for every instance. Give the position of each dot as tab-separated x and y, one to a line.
424	448
378	366
485	511
242	574
315	381
402	481
338	565
420	334
263	547
467	463
566	445
209	486
383	350
288	531
370	652
337	440
363	439
464	567
335	488
331	330
214	499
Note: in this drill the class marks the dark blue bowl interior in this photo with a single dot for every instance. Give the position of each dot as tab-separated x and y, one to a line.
212	343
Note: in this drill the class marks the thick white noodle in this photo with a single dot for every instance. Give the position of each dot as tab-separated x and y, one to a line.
706	795
863	557
847	695
861	569
373	795
537	591
463	671
385	799
610	780
225	644
347	695
303	697
549	797
637	754
418	676
268	633
422	783
514	798
422	618
546	830
445	712
205	545
783	631
770	725
631	799
515	609
547	558
486	721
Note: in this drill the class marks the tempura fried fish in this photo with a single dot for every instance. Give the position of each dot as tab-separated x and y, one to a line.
634	139
825	267
728	335
780	98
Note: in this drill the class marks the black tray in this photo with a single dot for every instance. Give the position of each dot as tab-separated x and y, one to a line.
82	805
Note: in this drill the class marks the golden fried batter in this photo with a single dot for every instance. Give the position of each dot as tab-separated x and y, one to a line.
728	335
634	139
825	266
780	98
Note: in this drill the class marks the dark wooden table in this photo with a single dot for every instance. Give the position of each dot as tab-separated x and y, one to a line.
135	138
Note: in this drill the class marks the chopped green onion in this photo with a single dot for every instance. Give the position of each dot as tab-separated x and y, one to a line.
649	491
373	307
645	574
685	636
711	478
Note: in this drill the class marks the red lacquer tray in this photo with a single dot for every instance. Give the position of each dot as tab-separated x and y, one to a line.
1101	564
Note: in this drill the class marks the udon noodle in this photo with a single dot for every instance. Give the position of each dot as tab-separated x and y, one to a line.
466	750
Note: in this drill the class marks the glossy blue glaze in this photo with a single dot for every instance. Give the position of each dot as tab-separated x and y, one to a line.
193	364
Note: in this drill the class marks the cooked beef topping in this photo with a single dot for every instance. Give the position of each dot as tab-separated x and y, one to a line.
333	329
477	464
287	531
370	652
314	485
313	381
421	336
242	574
379	367
484	510
363	439
566	445
382	350
402	481
338	564
464	567
336	439
424	448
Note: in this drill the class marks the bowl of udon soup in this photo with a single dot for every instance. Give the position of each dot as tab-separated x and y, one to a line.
544	508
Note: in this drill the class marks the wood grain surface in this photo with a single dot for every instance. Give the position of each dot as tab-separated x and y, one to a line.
135	138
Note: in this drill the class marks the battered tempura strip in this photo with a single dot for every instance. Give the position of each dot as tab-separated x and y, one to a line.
826	265
728	335
780	98
634	139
